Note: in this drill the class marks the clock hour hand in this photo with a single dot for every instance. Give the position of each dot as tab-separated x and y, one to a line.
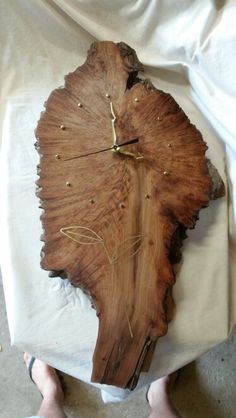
137	156
115	148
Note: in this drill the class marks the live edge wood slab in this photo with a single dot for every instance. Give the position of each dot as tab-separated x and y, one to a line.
122	175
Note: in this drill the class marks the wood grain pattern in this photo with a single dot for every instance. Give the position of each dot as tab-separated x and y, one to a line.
114	224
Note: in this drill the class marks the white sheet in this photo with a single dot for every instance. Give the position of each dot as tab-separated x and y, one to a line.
189	50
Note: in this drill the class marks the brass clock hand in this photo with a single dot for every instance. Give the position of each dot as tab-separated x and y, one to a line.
114	148
115	145
130	154
113	124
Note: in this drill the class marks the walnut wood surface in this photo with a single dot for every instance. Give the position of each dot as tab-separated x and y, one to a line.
127	217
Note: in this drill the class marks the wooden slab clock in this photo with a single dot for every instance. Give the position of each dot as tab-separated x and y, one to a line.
122	175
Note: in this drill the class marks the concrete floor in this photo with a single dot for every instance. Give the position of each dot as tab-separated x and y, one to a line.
205	389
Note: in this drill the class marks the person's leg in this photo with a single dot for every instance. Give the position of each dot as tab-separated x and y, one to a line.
159	400
48	383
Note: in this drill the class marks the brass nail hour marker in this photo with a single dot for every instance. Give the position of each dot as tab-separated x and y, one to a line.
68	184
147	196
108	95
57	156
122	206
62	127
80	105
136	99
166	173
169	145
92	201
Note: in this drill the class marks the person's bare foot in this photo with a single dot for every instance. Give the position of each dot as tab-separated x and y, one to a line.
46	380
159	400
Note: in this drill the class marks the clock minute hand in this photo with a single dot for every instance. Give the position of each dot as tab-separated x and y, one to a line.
114	148
113	120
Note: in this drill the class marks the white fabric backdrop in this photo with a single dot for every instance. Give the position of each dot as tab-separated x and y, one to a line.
188	48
